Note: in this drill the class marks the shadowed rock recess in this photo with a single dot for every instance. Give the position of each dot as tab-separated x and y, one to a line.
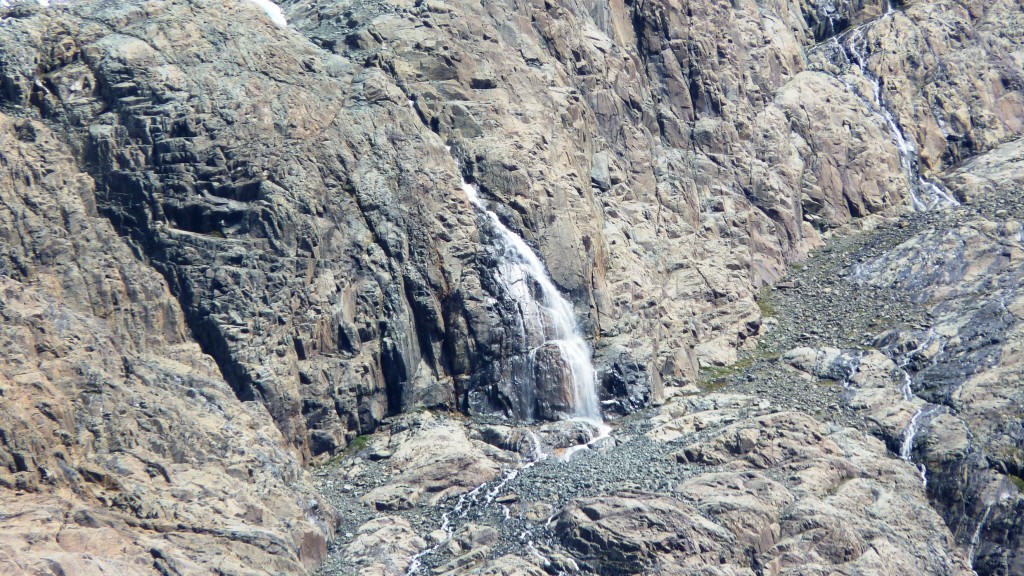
314	289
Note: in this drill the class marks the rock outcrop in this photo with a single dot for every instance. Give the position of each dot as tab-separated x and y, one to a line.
312	234
922	325
428	461
667	161
785	493
965	367
122	450
747	489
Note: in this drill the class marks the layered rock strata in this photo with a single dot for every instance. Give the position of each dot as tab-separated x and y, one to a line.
122	449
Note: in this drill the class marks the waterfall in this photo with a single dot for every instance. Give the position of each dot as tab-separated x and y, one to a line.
933	195
910	432
923	413
548	320
976	538
906	450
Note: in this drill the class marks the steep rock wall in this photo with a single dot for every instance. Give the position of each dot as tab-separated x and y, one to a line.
317	241
669	158
285	198
665	159
122	450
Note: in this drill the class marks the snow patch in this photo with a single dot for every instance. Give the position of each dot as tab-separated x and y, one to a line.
273	11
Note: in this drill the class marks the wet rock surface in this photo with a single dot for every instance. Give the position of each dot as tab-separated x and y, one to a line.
850	440
916	324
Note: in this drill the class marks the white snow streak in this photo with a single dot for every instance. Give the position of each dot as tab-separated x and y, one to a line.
273	11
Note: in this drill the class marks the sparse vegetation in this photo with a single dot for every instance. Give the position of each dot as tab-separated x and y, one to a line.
765	302
357	444
712	385
715	377
715	373
1018	482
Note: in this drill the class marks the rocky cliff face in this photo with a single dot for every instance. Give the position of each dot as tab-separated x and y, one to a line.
310	232
252	239
665	163
122	449
876	427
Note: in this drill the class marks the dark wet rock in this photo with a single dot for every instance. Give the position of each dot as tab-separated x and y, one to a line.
967	366
625	385
929	306
567	433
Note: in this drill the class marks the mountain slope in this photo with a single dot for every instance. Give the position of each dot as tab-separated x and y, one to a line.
198	198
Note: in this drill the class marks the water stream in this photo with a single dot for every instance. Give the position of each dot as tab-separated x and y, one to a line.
923	413
924	194
976	537
548	321
480	497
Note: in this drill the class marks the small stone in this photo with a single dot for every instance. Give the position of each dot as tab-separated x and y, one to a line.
539	511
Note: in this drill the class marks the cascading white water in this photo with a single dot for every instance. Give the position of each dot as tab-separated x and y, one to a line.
976	537
472	499
906	450
907	446
922	413
919	187
547	316
905	388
